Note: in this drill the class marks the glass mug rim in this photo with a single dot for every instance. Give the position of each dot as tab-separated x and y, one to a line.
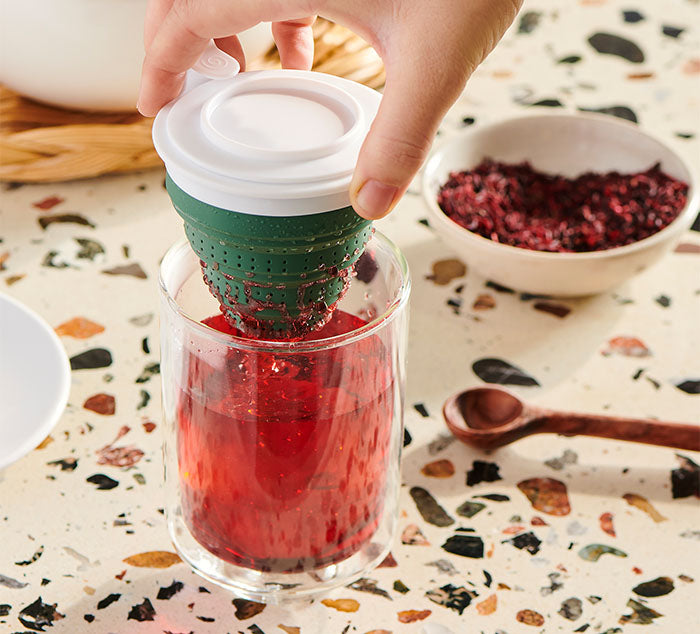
400	297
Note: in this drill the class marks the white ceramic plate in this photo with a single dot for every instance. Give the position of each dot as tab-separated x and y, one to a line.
34	380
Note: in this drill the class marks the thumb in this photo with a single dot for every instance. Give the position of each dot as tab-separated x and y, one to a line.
414	102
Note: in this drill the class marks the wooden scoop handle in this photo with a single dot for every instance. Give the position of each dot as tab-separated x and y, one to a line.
651	432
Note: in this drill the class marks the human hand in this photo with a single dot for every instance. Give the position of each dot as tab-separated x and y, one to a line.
429	51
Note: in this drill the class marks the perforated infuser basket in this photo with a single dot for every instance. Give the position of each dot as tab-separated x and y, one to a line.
258	168
274	277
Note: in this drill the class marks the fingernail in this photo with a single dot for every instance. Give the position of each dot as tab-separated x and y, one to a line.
375	199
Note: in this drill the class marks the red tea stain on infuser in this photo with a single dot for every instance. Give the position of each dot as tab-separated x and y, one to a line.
626	347
444	271
547	495
243	314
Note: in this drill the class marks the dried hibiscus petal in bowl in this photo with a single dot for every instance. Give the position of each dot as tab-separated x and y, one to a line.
517	205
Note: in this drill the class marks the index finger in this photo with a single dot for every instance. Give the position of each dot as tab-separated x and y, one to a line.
184	33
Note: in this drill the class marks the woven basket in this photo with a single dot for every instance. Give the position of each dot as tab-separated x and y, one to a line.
39	143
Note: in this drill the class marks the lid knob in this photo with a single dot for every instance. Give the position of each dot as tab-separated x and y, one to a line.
215	64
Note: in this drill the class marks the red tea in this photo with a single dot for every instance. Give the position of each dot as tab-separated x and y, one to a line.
283	457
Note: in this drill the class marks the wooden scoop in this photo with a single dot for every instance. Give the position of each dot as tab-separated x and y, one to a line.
489	417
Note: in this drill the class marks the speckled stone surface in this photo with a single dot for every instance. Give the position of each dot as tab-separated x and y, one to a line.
550	534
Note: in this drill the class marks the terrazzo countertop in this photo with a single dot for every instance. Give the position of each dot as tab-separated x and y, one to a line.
550	534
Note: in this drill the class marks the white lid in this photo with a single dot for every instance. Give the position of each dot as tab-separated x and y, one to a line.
274	142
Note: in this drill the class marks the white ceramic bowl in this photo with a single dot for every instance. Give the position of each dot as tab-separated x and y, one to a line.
83	54
567	144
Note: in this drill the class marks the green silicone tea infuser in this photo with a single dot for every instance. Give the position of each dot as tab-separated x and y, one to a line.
258	166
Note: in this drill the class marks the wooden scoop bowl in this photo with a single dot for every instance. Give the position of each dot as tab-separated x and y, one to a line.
490	417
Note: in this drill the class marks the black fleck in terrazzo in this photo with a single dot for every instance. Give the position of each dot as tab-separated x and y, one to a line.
620	111
612	44
623	558
483	471
491	370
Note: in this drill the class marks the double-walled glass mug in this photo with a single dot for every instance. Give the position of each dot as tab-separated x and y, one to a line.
282	458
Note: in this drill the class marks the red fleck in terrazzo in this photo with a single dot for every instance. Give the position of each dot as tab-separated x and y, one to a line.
606	524
48	203
516	205
153	559
411	616
104	404
626	347
79	328
439	469
547	495
529	617
488	605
